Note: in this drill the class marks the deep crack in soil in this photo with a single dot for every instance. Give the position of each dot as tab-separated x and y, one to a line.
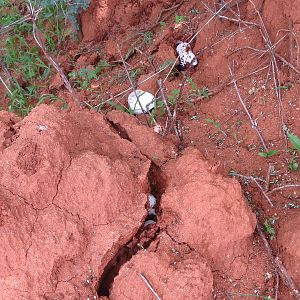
144	236
140	241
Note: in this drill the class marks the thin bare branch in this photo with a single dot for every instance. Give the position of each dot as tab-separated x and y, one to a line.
149	285
255	180
284	187
208	21
132	85
287	63
282	272
275	70
5	85
252	121
129	89
270	170
170	116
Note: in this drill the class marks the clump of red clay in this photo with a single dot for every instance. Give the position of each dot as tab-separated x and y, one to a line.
72	193
207	212
73	202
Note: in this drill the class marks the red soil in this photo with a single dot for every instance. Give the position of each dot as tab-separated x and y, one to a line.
74	184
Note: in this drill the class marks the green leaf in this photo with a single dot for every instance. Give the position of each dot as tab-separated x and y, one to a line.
269	229
293	164
294	140
117	106
211	121
267	154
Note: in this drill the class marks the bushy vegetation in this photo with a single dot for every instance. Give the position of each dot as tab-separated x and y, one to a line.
26	68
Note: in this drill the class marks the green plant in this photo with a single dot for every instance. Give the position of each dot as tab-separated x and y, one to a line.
157	111
148	38
194	11
282	87
162	24
22	57
122	76
211	121
270	230
69	9
295	141
252	295
179	19
83	77
174	96
195	91
293	164
268	154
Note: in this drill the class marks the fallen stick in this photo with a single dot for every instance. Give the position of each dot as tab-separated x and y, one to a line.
6	86
149	286
252	121
161	89
255	180
277	263
132	85
284	187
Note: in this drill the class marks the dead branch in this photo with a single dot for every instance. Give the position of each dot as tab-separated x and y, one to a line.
132	85
265	35
170	116
129	89
287	63
255	180
5	85
149	286
270	169
277	263
208	21
284	187
252	121
36	34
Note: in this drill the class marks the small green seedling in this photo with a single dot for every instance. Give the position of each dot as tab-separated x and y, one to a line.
179	19
282	87
293	164
83	77
174	96
270	230
211	121
196	92
162	24
268	154
295	141
119	107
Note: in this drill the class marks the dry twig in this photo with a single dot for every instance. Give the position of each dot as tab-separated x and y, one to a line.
252	121
132	85
255	180
281	270
170	116
271	49
284	187
149	286
5	85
